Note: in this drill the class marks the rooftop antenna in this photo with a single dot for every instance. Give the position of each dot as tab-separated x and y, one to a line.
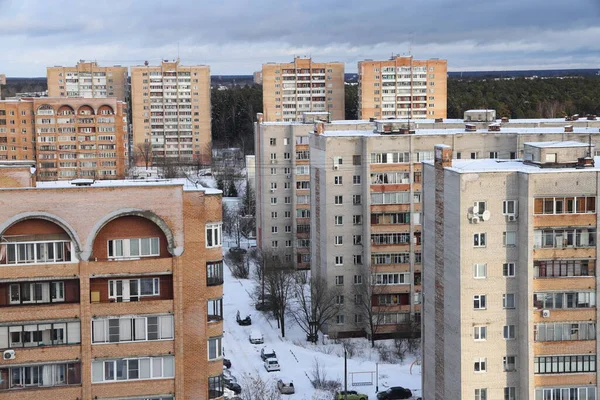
410	39
177	50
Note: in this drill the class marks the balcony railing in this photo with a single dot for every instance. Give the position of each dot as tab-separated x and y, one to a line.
560	239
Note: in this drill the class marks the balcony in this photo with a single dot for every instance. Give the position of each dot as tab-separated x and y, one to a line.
131	266
132	308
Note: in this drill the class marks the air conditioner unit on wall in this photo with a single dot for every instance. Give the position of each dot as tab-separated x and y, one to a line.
8	355
475	220
545	313
511	217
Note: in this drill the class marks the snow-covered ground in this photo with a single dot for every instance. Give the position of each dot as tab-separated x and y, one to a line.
296	356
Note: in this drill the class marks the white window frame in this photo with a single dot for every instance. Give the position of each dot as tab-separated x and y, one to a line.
508	270
156	368
214	231
217	343
337	180
477	237
509	239
480	365
480	333
509	332
338	200
339	220
339	260
509	367
339	240
479	271
481	394
339	280
507	205
506	303
482	301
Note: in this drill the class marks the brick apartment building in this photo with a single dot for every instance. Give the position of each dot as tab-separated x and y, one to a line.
88	80
67	137
171	111
291	89
403	87
367	196
109	290
510	283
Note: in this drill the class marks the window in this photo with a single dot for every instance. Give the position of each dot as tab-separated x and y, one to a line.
480	365
562	268
36	293
562	331
273	214
287	156
288	200
493	154
479	271
272	141
337	180
508	300
480	394
508	270
339	240
130	329
273	171
339	280
509	207
133	369
356	160
565	205
555	300
214	273
339	260
216	387
288	229
273	157
357	239
356	180
339	319
508	332
215	309
125	290
480	332
215	348
274	229
509	363
274	244
339	220
358	279
392	278
35	252
564	364
286	141
357	259
43	334
273	201
357	219
510	393
338	160
479	302
46	375
288	243
474	156
509	239
339	200
356	199
479	240
214	235
339	300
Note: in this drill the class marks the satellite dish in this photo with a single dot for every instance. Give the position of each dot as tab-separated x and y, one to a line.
475	209
486	215
475	220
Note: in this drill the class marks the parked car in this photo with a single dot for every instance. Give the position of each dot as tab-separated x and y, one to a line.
263	304
233	386
395	393
227	363
237	250
244	322
267	353
285	386
352	395
256	337
271	364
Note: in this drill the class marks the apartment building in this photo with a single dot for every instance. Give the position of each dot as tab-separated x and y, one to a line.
403	87
171	111
109	290
291	89
88	80
68	137
510	281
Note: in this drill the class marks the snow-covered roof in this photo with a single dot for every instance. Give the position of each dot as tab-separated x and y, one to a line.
568	143
493	165
188	185
461	131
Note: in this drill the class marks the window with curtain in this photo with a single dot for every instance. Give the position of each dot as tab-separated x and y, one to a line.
128	329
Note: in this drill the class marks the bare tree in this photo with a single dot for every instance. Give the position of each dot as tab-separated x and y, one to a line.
255	388
366	300
144	152
314	304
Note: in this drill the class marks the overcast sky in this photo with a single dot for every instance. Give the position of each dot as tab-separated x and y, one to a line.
237	36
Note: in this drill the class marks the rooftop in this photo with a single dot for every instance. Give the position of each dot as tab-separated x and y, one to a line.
188	185
461	131
490	165
568	143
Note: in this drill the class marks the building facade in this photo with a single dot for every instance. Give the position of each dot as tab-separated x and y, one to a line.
510	281
171	112
68	137
403	87
117	296
291	89
88	80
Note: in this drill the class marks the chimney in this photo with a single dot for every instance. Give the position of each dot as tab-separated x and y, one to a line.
260	118
568	128
505	119
443	156
319	127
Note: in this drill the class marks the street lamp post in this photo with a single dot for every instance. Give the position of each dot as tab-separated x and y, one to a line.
345	374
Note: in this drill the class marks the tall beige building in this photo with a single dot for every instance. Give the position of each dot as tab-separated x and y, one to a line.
369	175
171	111
291	89
88	80
403	87
510	282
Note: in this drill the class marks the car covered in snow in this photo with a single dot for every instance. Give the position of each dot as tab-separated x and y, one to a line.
266	352
256	337
285	386
272	364
352	395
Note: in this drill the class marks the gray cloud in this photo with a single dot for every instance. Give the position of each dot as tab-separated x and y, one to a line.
237	36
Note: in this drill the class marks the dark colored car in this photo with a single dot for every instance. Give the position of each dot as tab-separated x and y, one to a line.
395	393
226	363
243	321
231	384
237	250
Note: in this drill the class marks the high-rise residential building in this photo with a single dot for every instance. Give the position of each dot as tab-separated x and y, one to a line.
68	137
257	77
403	87
109	290
369	176
88	80
171	112
291	89
510	283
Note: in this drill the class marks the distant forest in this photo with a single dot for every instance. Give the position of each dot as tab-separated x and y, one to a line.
234	109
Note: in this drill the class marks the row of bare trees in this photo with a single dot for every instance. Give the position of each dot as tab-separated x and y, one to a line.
312	303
